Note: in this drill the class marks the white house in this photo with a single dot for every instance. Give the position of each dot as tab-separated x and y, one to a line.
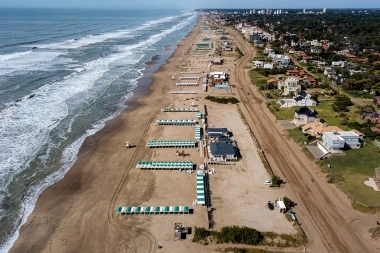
258	64
304	115
332	140
297	101
286	103
279	58
340	140
304	101
342	64
291	85
268	66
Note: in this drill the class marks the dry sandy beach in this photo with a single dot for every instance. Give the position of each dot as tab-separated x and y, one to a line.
78	213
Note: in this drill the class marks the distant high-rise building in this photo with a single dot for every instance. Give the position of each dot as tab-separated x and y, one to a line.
304	10
324	10
254	11
280	12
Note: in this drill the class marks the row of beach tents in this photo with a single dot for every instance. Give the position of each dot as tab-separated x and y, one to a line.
197	132
200	190
187	84
191	109
164	165
176	122
153	210
168	144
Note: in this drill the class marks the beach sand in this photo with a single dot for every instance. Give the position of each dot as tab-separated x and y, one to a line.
78	213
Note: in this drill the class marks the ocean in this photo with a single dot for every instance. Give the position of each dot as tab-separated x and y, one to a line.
63	74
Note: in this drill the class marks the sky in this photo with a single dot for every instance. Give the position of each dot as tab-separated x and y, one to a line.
190	4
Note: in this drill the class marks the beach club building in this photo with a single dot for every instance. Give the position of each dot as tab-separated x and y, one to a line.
214	132
222	151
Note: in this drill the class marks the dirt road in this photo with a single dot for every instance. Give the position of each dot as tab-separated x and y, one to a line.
325	213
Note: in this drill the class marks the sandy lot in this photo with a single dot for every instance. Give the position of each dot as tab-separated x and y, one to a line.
239	195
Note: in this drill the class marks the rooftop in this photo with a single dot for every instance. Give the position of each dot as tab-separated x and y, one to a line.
320	127
305	110
217	130
221	149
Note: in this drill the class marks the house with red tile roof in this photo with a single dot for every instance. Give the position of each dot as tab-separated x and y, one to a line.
362	60
292	72
351	57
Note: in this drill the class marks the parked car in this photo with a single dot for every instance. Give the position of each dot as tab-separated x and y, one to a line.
267	182
270	206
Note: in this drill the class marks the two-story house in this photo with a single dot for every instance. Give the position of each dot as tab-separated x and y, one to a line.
341	140
304	115
290	85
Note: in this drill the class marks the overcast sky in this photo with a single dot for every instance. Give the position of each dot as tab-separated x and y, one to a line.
191	4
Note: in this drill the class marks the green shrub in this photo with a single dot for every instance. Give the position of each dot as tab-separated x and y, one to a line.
222	100
276	181
288	203
240	235
200	234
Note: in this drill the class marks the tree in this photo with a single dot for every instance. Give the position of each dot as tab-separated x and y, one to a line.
341	103
277	181
288	203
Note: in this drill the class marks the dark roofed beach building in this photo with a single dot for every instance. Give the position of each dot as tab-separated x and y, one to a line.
225	140
222	151
214	132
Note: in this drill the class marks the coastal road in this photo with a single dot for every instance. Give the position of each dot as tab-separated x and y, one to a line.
325	212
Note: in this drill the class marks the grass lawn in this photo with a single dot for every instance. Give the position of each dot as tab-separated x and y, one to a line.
286	113
257	79
324	111
297	135
354	168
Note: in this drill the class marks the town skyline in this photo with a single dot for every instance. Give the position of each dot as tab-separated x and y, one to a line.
195	4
